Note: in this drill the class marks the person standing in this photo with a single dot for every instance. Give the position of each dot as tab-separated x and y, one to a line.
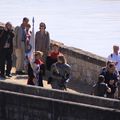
115	57
42	40
19	44
60	74
36	70
6	48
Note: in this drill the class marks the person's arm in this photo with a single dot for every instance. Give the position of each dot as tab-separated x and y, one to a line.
1	34
48	41
55	73
68	74
15	37
42	69
108	89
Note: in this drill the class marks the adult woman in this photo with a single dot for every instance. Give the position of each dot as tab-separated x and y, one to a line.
42	40
6	48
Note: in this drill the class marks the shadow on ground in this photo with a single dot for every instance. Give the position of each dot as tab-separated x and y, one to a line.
81	87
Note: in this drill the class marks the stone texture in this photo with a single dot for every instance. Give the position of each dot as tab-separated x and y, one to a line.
29	107
61	95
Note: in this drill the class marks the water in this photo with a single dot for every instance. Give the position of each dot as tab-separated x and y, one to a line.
91	25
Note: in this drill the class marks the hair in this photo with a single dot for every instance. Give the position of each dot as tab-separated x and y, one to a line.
115	46
42	24
55	44
8	23
108	62
111	65
25	19
62	58
38	53
28	25
101	78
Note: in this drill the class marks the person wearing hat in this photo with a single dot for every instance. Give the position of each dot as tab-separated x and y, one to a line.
42	40
36	70
6	48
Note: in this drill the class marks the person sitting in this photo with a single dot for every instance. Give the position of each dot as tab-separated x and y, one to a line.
101	88
52	56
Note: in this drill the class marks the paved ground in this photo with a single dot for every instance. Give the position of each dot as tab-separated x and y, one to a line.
22	79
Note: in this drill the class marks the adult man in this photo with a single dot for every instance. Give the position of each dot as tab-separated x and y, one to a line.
115	57
19	44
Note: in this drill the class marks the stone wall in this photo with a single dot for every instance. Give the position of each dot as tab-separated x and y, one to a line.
18	106
85	66
61	95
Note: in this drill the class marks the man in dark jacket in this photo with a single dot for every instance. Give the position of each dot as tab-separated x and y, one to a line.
6	48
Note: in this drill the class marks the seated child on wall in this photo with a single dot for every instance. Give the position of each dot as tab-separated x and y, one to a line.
52	56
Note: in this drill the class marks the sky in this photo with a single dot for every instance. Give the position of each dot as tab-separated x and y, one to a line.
91	25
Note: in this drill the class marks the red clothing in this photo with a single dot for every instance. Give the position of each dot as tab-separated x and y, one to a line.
54	55
38	62
52	58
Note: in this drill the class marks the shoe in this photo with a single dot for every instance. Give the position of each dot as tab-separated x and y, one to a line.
8	75
3	77
20	73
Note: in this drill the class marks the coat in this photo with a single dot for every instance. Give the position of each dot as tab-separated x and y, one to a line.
42	42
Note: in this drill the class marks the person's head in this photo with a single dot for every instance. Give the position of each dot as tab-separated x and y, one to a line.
38	54
28	26
55	47
25	21
115	49
108	63
28	48
111	82
101	78
42	26
8	26
61	59
111	68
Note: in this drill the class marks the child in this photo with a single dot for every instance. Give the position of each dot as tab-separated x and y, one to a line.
60	74
113	89
36	70
101	88
52	58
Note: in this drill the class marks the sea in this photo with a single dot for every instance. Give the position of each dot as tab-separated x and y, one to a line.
90	25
